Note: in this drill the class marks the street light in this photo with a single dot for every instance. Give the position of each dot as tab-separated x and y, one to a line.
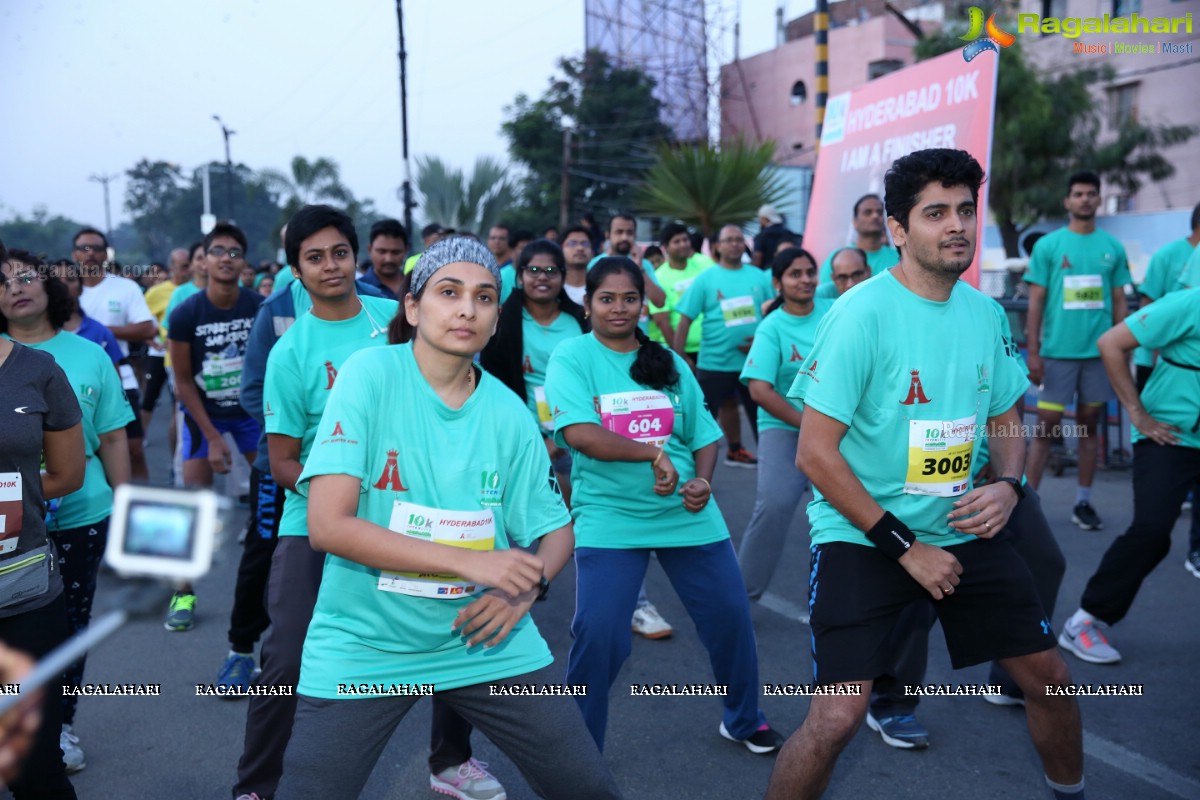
228	168
104	180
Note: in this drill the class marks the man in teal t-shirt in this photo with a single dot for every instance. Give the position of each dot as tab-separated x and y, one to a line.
1163	275
1166	450
1076	278
730	298
870	236
622	242
850	266
906	369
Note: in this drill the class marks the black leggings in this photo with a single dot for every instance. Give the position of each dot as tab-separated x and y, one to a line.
156	379
80	551
719	387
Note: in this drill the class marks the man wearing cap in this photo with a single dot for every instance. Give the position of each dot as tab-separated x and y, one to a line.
772	233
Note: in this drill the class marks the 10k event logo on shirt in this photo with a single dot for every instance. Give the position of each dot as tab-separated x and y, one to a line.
490	491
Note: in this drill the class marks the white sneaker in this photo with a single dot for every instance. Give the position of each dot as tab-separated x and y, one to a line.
1088	642
649	623
469	781
68	742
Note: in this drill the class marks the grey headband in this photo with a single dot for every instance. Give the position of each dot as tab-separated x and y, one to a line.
451	251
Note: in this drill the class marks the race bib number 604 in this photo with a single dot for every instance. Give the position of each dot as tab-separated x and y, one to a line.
645	416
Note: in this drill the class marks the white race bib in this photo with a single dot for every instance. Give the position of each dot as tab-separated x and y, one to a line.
939	456
12	511
221	377
1083	292
738	311
644	416
472	530
545	418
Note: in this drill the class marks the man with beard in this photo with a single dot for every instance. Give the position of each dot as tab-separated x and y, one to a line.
622	241
577	249
870	236
1076	278
388	248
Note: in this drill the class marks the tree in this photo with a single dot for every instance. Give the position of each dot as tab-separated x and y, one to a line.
40	233
613	117
310	182
153	191
707	187
450	199
1048	126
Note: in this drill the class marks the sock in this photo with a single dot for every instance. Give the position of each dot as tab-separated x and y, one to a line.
236	653
1082	494
1066	792
1079	619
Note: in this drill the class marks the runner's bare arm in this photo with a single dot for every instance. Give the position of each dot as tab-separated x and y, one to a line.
595	442
185	388
679	341
776	405
114	456
137	332
63	454
284	454
1120	305
1033	332
984	511
818	456
663	320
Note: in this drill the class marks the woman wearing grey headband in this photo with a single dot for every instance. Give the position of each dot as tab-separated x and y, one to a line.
425	588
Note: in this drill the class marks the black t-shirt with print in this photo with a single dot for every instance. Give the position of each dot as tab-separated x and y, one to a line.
217	338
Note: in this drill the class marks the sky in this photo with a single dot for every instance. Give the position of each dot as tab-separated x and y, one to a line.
90	88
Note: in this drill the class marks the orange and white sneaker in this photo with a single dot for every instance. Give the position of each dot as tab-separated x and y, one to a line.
1088	642
741	457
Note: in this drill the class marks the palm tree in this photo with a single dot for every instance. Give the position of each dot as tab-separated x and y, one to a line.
451	199
316	181
707	187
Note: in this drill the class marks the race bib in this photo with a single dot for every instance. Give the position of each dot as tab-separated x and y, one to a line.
12	511
1083	292
545	418
738	311
645	416
939	456
221	377
473	530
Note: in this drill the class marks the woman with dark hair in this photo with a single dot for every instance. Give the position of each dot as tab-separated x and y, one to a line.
622	403
33	312
780	345
536	317
67	272
41	457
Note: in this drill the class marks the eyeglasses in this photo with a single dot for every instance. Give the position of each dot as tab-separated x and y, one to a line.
25	278
857	275
577	244
542	270
217	251
92	248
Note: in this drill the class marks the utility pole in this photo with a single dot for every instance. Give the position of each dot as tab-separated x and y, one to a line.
104	180
821	29
405	188
564	191
228	169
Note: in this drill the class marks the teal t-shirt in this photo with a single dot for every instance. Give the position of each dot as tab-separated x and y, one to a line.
826	291
613	502
877	260
1172	395
779	348
1190	277
300	374
285	277
731	301
674	283
508	279
1013	349
181	293
915	381
1079	272
1162	277
539	342
478	476
105	408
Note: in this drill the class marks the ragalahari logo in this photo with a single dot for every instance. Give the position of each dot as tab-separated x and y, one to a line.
995	39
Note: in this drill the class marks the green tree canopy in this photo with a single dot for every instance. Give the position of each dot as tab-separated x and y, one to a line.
40	233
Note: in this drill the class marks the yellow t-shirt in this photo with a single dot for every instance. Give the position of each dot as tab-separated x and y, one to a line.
157	298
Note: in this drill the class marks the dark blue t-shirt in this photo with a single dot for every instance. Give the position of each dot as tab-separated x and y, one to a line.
217	339
95	332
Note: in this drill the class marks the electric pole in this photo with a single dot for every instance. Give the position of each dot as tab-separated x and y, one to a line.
228	169
564	191
821	29
104	180
405	188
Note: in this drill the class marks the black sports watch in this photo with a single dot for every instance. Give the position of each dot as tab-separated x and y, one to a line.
1015	483
543	588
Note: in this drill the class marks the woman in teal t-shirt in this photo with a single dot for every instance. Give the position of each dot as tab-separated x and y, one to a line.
780	345
623	403
424	473
33	312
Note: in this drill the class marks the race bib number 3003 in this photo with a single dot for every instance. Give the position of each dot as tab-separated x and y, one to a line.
646	416
939	456
472	530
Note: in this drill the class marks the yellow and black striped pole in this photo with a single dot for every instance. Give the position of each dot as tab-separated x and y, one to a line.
821	30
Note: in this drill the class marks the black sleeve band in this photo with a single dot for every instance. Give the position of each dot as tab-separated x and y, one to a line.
891	536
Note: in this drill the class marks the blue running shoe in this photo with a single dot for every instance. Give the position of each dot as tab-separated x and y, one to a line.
902	731
236	675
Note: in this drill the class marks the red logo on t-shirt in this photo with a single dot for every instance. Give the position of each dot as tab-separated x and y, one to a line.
796	355
527	367
1065	263
330	375
390	479
916	392
337	429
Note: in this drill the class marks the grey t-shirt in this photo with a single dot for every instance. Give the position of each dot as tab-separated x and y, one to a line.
35	396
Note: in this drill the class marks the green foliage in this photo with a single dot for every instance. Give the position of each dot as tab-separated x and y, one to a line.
614	118
41	233
707	187
1048	126
451	199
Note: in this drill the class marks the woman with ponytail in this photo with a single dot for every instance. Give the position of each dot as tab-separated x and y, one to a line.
780	345
644	448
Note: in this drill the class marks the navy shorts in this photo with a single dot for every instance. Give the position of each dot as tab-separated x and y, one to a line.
244	429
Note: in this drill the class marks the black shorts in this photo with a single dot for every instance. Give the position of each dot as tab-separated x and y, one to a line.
856	594
156	379
134	429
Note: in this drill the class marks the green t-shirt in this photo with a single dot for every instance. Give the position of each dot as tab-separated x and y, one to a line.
181	293
731	301
411	262
105	409
613	502
1172	326
539	342
674	283
914	380
877	260
778	351
1162	277
1080	272
300	374
478	476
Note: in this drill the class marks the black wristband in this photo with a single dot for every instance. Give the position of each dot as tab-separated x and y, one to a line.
891	536
543	588
1015	483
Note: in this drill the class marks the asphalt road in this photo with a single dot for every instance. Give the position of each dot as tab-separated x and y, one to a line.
185	747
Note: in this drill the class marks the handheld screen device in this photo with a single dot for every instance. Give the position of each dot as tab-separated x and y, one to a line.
163	533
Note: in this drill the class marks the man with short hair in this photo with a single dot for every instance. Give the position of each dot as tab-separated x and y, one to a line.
676	274
551	234
904	372
622	242
387	248
118	304
1076	278
577	249
870	237
773	231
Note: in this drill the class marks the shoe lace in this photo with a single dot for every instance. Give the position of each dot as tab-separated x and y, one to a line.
70	737
236	667
474	770
1095	630
183	602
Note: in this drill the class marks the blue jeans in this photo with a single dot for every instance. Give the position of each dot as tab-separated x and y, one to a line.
708	582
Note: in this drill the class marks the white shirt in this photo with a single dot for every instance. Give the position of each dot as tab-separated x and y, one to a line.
576	293
117	301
